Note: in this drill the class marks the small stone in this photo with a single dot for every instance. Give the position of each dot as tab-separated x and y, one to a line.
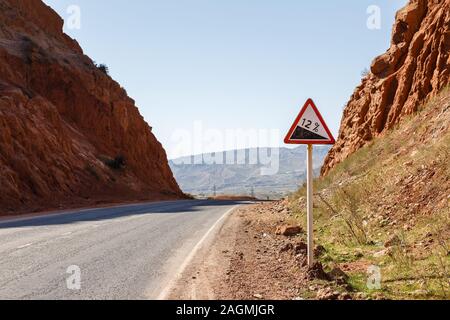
327	294
319	251
289	231
378	296
287	247
380	254
345	296
361	296
317	272
359	253
392	241
419	293
258	296
301	248
338	275
408	164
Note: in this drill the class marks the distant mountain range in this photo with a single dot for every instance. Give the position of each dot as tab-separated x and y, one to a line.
264	173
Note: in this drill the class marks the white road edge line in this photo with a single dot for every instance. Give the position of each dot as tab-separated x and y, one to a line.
164	295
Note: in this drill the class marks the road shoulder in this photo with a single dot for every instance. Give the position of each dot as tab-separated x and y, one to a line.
249	259
205	277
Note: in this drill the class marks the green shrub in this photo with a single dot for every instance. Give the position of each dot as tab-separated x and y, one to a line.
117	163
103	68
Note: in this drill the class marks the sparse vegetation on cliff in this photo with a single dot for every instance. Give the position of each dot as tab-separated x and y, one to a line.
117	163
103	68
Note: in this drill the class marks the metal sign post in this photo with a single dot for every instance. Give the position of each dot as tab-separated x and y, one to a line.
310	206
309	128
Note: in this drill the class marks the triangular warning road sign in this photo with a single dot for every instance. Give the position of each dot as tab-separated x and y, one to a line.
309	127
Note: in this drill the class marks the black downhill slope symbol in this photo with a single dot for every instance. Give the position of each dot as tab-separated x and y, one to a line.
303	134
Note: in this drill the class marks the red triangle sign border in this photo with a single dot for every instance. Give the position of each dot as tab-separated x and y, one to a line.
289	140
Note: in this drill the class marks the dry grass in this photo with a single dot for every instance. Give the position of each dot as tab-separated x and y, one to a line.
397	185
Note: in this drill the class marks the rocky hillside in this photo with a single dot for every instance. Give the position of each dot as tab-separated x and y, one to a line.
69	134
414	69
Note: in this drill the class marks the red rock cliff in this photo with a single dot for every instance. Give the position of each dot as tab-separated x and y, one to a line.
63	122
415	68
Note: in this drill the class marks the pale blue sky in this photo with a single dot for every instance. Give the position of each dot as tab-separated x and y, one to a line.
232	63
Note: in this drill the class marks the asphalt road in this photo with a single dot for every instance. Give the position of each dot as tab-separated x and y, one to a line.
126	252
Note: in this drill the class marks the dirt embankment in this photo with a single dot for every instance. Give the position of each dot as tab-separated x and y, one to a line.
69	135
259	255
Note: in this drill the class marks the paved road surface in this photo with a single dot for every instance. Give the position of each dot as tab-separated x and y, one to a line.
127	252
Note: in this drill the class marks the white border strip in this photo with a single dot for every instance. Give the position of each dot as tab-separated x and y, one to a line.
165	293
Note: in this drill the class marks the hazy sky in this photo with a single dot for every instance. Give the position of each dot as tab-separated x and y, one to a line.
231	64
